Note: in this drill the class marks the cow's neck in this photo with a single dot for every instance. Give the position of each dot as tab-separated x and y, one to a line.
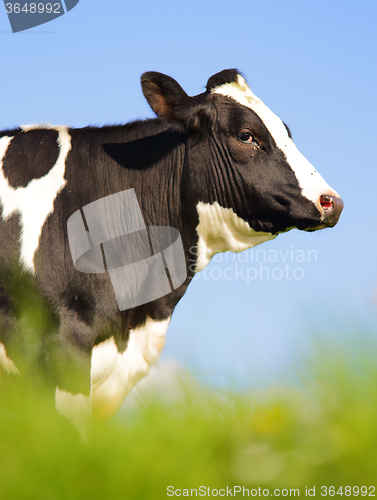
145	156
221	230
214	213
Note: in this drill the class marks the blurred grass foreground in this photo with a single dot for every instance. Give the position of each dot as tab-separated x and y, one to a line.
323	434
185	439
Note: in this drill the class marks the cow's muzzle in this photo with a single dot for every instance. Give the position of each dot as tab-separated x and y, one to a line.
332	207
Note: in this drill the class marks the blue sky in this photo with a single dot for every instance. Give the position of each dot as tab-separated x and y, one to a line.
313	64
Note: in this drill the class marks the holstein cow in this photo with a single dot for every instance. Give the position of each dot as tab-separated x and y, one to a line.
220	168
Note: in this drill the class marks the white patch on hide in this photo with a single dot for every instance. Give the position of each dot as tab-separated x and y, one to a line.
221	230
5	362
115	373
35	201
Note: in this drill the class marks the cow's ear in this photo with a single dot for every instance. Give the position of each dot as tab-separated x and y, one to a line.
222	78
170	102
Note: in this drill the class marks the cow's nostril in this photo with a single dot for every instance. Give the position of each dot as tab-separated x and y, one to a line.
332	207
326	202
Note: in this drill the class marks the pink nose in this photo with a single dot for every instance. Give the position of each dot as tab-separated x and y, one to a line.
332	206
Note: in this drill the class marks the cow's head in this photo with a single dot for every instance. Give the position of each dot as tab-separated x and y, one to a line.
247	177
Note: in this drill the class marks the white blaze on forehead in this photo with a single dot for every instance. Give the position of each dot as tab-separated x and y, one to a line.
310	181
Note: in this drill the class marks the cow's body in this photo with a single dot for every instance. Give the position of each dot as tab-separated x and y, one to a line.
221	168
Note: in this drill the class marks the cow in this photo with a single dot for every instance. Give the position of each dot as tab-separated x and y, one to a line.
220	168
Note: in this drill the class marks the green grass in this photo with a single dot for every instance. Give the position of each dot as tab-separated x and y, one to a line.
322	434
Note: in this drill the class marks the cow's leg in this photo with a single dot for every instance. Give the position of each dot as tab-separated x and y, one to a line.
77	408
6	363
7	334
68	354
115	373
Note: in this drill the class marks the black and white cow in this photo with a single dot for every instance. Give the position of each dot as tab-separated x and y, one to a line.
219	167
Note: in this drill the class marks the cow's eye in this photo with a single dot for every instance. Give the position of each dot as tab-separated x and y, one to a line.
245	137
